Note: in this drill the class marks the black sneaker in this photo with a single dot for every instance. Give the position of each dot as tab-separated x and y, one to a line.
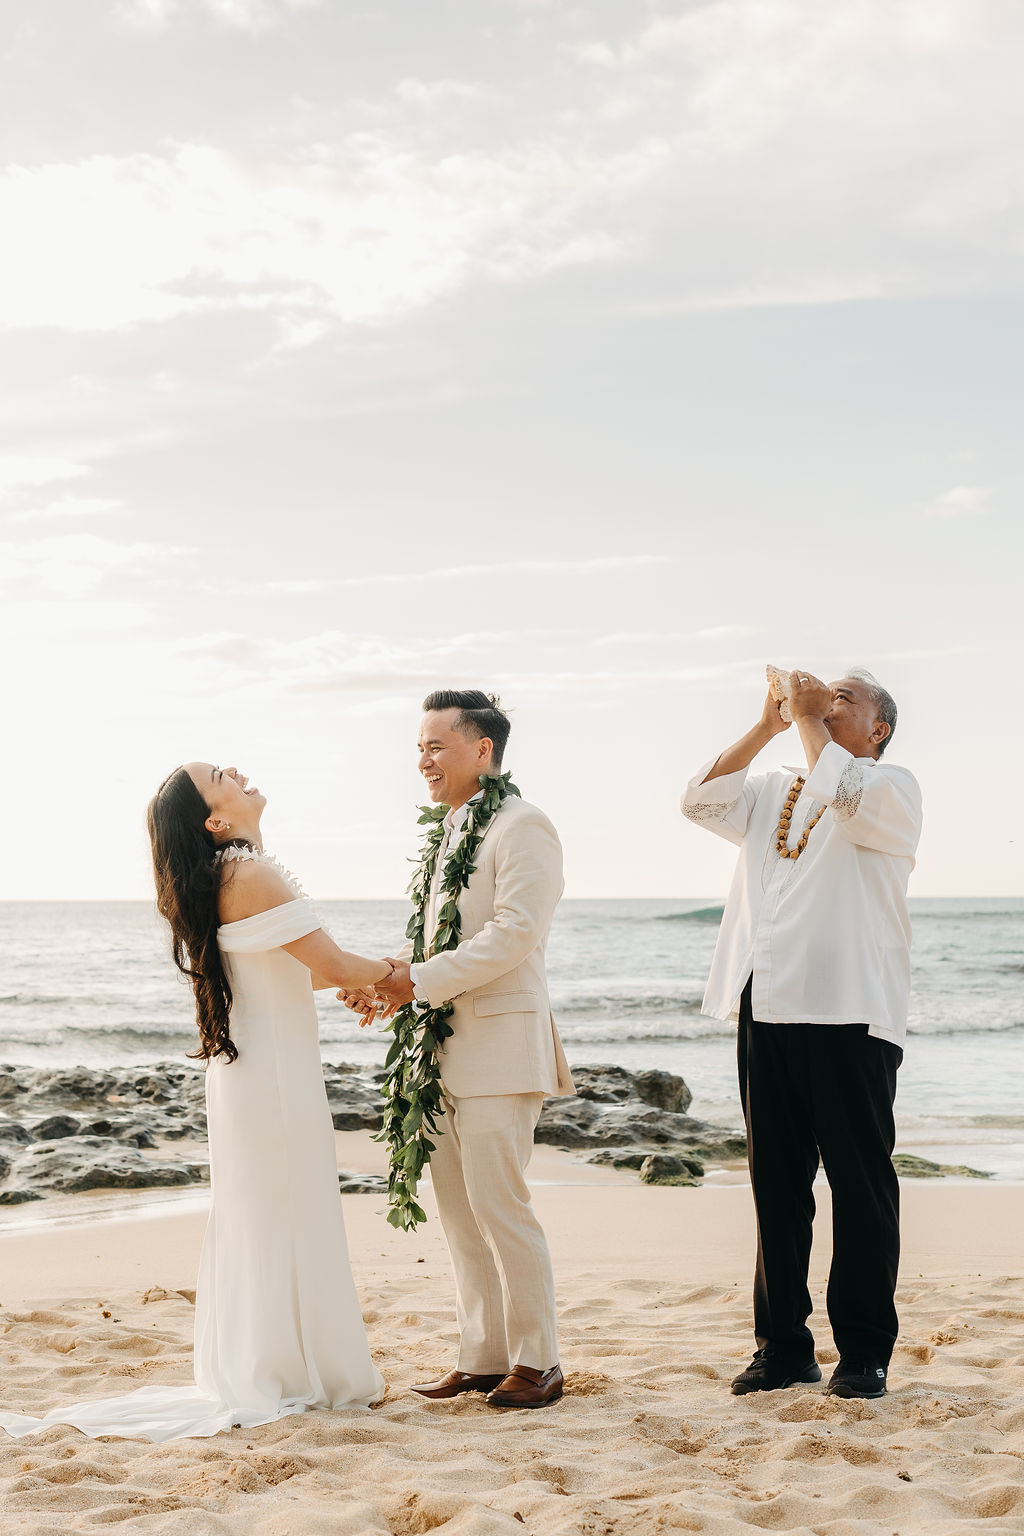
857	1378
767	1372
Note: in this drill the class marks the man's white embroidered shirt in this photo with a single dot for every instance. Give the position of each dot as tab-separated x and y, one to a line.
827	935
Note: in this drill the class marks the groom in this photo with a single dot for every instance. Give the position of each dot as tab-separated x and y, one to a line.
501	1061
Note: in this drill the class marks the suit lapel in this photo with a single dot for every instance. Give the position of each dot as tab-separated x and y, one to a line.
468	889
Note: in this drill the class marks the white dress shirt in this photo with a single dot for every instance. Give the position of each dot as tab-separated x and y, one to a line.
827	935
454	824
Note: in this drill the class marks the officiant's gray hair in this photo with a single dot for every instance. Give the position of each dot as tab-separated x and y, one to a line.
882	701
480	714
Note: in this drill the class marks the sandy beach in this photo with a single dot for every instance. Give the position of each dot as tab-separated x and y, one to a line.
655	1317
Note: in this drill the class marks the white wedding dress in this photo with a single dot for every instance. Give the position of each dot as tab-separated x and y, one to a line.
278	1325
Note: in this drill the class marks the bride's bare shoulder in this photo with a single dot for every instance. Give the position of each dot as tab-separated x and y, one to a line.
249	886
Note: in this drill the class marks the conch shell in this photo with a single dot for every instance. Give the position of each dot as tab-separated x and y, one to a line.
779	688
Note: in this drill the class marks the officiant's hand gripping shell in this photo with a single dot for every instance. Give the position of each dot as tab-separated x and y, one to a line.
780	687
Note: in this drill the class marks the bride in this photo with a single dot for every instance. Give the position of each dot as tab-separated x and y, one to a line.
278	1327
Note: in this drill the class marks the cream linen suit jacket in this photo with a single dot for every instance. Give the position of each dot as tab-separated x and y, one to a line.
504	1038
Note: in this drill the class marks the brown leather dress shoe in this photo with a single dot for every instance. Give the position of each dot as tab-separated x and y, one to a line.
524	1387
456	1382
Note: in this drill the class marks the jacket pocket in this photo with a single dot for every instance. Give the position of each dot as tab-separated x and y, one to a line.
488	1004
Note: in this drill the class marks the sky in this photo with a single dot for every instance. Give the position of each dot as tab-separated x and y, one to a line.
591	353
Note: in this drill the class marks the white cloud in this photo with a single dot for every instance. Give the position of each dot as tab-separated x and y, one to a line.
654	637
778	151
301	586
864	150
598	565
69	507
338	662
807	288
365	229
77	562
237	15
73	456
154	14
58	622
21	471
432	93
961	501
332	661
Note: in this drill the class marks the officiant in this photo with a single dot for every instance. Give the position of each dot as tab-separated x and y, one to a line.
813	962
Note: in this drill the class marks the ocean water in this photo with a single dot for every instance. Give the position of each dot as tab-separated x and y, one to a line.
92	983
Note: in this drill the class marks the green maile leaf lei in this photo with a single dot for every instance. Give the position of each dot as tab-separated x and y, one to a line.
412	1087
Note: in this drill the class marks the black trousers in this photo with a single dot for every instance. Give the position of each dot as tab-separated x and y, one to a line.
810	1089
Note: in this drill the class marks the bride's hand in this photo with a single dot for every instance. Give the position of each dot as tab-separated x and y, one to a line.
361	1000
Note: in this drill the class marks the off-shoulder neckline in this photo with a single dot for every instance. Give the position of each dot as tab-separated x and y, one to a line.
296	901
233	851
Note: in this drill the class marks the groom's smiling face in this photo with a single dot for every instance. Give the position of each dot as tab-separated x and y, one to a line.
450	761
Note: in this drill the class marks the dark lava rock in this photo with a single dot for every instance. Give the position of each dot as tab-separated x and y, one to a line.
578	1122
354	1098
5	1166
362	1184
614	1085
90	1120
14	1133
604	1085
92	1162
910	1167
134	1132
69	1086
170	1096
9	1084
664	1090
17	1196
665	1168
154	1085
104	1117
192	1128
56	1127
628	1157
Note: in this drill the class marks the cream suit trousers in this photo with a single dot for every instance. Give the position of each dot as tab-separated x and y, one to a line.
504	1287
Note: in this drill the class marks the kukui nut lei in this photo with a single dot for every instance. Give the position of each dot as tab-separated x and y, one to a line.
786	816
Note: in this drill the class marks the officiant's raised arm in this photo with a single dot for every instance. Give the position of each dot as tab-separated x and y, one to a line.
721	796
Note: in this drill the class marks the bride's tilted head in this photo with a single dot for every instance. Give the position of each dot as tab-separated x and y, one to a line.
233	805
199	809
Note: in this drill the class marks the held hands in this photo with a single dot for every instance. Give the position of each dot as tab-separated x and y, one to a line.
384	998
361	1000
396	989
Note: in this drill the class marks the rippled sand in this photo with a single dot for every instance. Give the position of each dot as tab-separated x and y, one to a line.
654	1288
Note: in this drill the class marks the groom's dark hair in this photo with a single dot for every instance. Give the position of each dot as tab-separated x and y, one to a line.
480	714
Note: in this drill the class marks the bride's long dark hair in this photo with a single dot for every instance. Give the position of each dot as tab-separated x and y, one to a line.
187	879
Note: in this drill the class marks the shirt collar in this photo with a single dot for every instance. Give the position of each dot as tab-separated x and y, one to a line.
456	819
802	769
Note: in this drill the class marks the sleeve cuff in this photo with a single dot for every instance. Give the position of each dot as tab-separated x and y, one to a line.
417	991
725	790
822	783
